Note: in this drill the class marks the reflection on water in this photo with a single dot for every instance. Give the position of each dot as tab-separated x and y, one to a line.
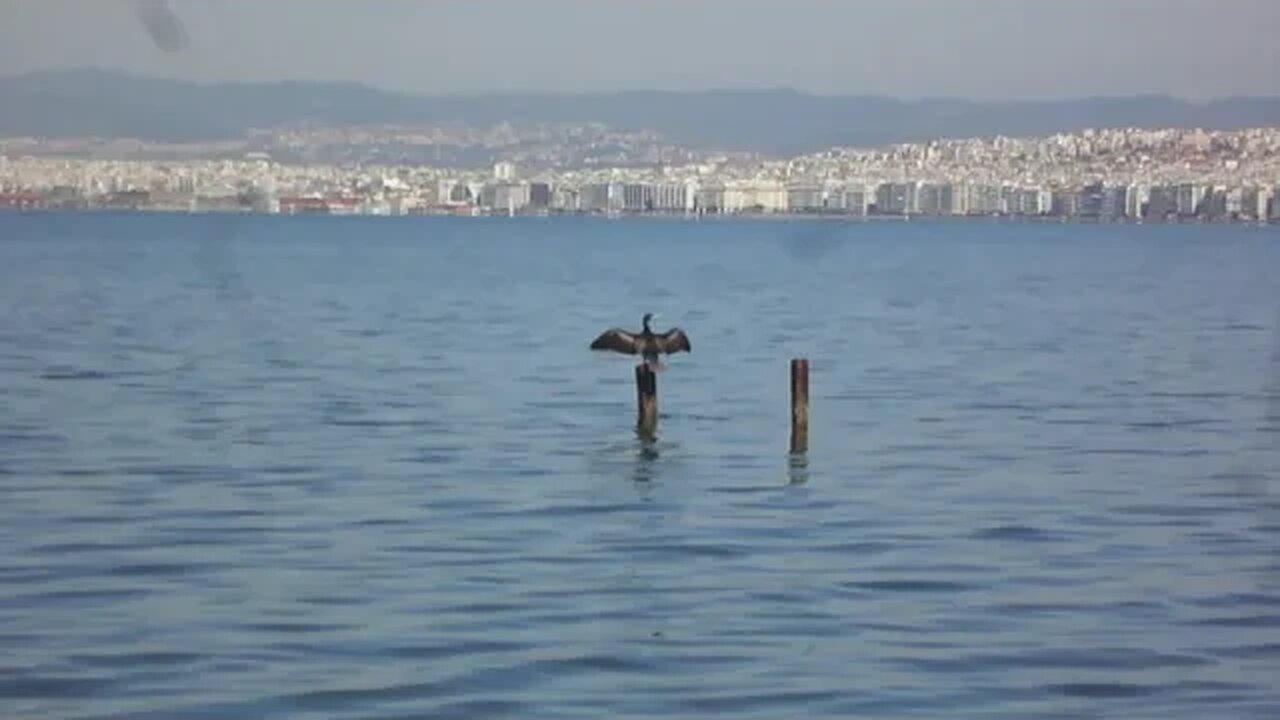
368	468
647	456
798	468
642	459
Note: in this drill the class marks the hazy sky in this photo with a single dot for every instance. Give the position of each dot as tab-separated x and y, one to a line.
908	48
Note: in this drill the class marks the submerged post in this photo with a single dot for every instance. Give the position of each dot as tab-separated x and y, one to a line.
799	405
646	400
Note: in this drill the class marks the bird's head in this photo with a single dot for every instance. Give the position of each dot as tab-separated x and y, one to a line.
647	318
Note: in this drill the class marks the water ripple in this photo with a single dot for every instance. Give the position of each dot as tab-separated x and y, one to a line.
252	468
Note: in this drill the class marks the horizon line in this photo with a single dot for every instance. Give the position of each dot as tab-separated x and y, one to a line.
710	90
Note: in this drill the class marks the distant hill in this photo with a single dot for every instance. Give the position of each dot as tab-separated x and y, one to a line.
80	103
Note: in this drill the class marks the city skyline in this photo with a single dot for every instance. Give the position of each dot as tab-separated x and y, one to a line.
981	49
1104	175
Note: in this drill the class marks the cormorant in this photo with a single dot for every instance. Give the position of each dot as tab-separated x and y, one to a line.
646	343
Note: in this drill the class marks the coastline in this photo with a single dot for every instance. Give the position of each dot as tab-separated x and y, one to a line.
666	216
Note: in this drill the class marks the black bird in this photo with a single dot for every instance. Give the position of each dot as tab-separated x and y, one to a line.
646	343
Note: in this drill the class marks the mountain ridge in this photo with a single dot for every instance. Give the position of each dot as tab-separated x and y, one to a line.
88	102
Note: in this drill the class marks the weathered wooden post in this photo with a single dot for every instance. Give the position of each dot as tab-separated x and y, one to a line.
646	401
799	406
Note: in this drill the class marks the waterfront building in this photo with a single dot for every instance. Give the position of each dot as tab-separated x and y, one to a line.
896	198
539	195
806	198
1189	197
933	199
710	198
1162	202
1115	202
856	199
985	199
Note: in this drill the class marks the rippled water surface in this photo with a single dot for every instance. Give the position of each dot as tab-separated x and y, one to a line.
367	468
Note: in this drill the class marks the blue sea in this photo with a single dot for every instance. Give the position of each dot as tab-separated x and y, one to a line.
304	467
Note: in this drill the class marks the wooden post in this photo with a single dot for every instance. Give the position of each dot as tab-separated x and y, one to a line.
799	406
646	401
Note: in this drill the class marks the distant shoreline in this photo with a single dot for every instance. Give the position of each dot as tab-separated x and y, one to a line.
673	217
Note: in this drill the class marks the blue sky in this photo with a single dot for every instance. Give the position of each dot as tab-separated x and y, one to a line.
908	48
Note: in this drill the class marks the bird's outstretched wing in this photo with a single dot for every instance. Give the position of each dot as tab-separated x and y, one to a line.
674	340
615	340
